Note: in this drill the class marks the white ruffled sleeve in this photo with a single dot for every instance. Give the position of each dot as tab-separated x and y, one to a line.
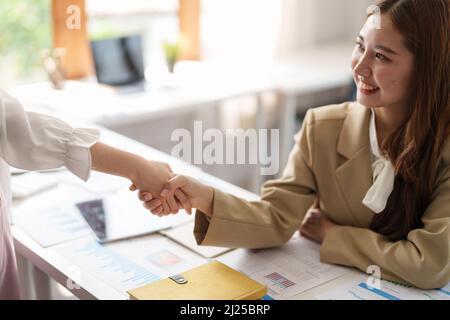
34	141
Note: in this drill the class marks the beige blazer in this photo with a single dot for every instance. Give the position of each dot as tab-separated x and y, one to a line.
332	158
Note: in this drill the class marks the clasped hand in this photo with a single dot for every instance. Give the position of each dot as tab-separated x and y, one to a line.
164	193
150	177
177	192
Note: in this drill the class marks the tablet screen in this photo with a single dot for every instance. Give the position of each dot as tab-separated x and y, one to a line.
94	214
119	216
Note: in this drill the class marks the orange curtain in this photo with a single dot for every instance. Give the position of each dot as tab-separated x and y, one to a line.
189	22
70	33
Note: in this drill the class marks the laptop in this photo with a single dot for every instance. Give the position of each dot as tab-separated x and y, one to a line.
119	63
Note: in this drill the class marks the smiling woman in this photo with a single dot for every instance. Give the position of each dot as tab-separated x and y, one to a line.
402	73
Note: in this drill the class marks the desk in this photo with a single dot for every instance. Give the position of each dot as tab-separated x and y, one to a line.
50	262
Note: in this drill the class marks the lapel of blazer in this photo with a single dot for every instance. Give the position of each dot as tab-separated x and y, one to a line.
355	174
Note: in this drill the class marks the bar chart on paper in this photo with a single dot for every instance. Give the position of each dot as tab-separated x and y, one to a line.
358	289
276	280
287	271
111	267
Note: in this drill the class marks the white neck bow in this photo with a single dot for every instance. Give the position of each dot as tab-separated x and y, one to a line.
383	174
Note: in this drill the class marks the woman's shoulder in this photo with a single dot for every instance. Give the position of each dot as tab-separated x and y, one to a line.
336	112
346	123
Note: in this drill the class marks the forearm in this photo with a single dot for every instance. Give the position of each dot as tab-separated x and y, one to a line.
238	223
205	203
111	160
421	260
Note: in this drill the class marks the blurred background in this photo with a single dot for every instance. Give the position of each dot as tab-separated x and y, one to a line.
144	68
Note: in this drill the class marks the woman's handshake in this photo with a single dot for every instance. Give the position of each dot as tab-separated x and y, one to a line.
183	192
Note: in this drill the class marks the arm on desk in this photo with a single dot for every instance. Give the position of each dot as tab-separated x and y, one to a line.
228	221
422	259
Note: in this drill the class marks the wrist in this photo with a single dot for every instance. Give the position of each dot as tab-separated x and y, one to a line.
134	168
206	202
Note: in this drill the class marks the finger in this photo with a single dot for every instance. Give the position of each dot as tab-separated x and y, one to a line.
316	214
180	205
307	215
313	211
172	205
132	187
152	204
166	208
303	231
307	232
144	196
157	210
173	184
312	218
313	223
148	196
154	210
308	236
185	203
308	225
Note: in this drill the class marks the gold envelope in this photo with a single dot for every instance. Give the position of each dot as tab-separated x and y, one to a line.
211	281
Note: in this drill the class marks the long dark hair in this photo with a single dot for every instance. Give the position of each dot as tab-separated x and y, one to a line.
416	146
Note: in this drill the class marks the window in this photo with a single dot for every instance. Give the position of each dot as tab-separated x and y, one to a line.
26	29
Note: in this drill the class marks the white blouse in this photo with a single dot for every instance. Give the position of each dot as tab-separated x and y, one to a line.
383	174
33	141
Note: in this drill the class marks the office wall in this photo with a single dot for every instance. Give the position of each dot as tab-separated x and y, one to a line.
340	19
239	29
309	23
266	29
